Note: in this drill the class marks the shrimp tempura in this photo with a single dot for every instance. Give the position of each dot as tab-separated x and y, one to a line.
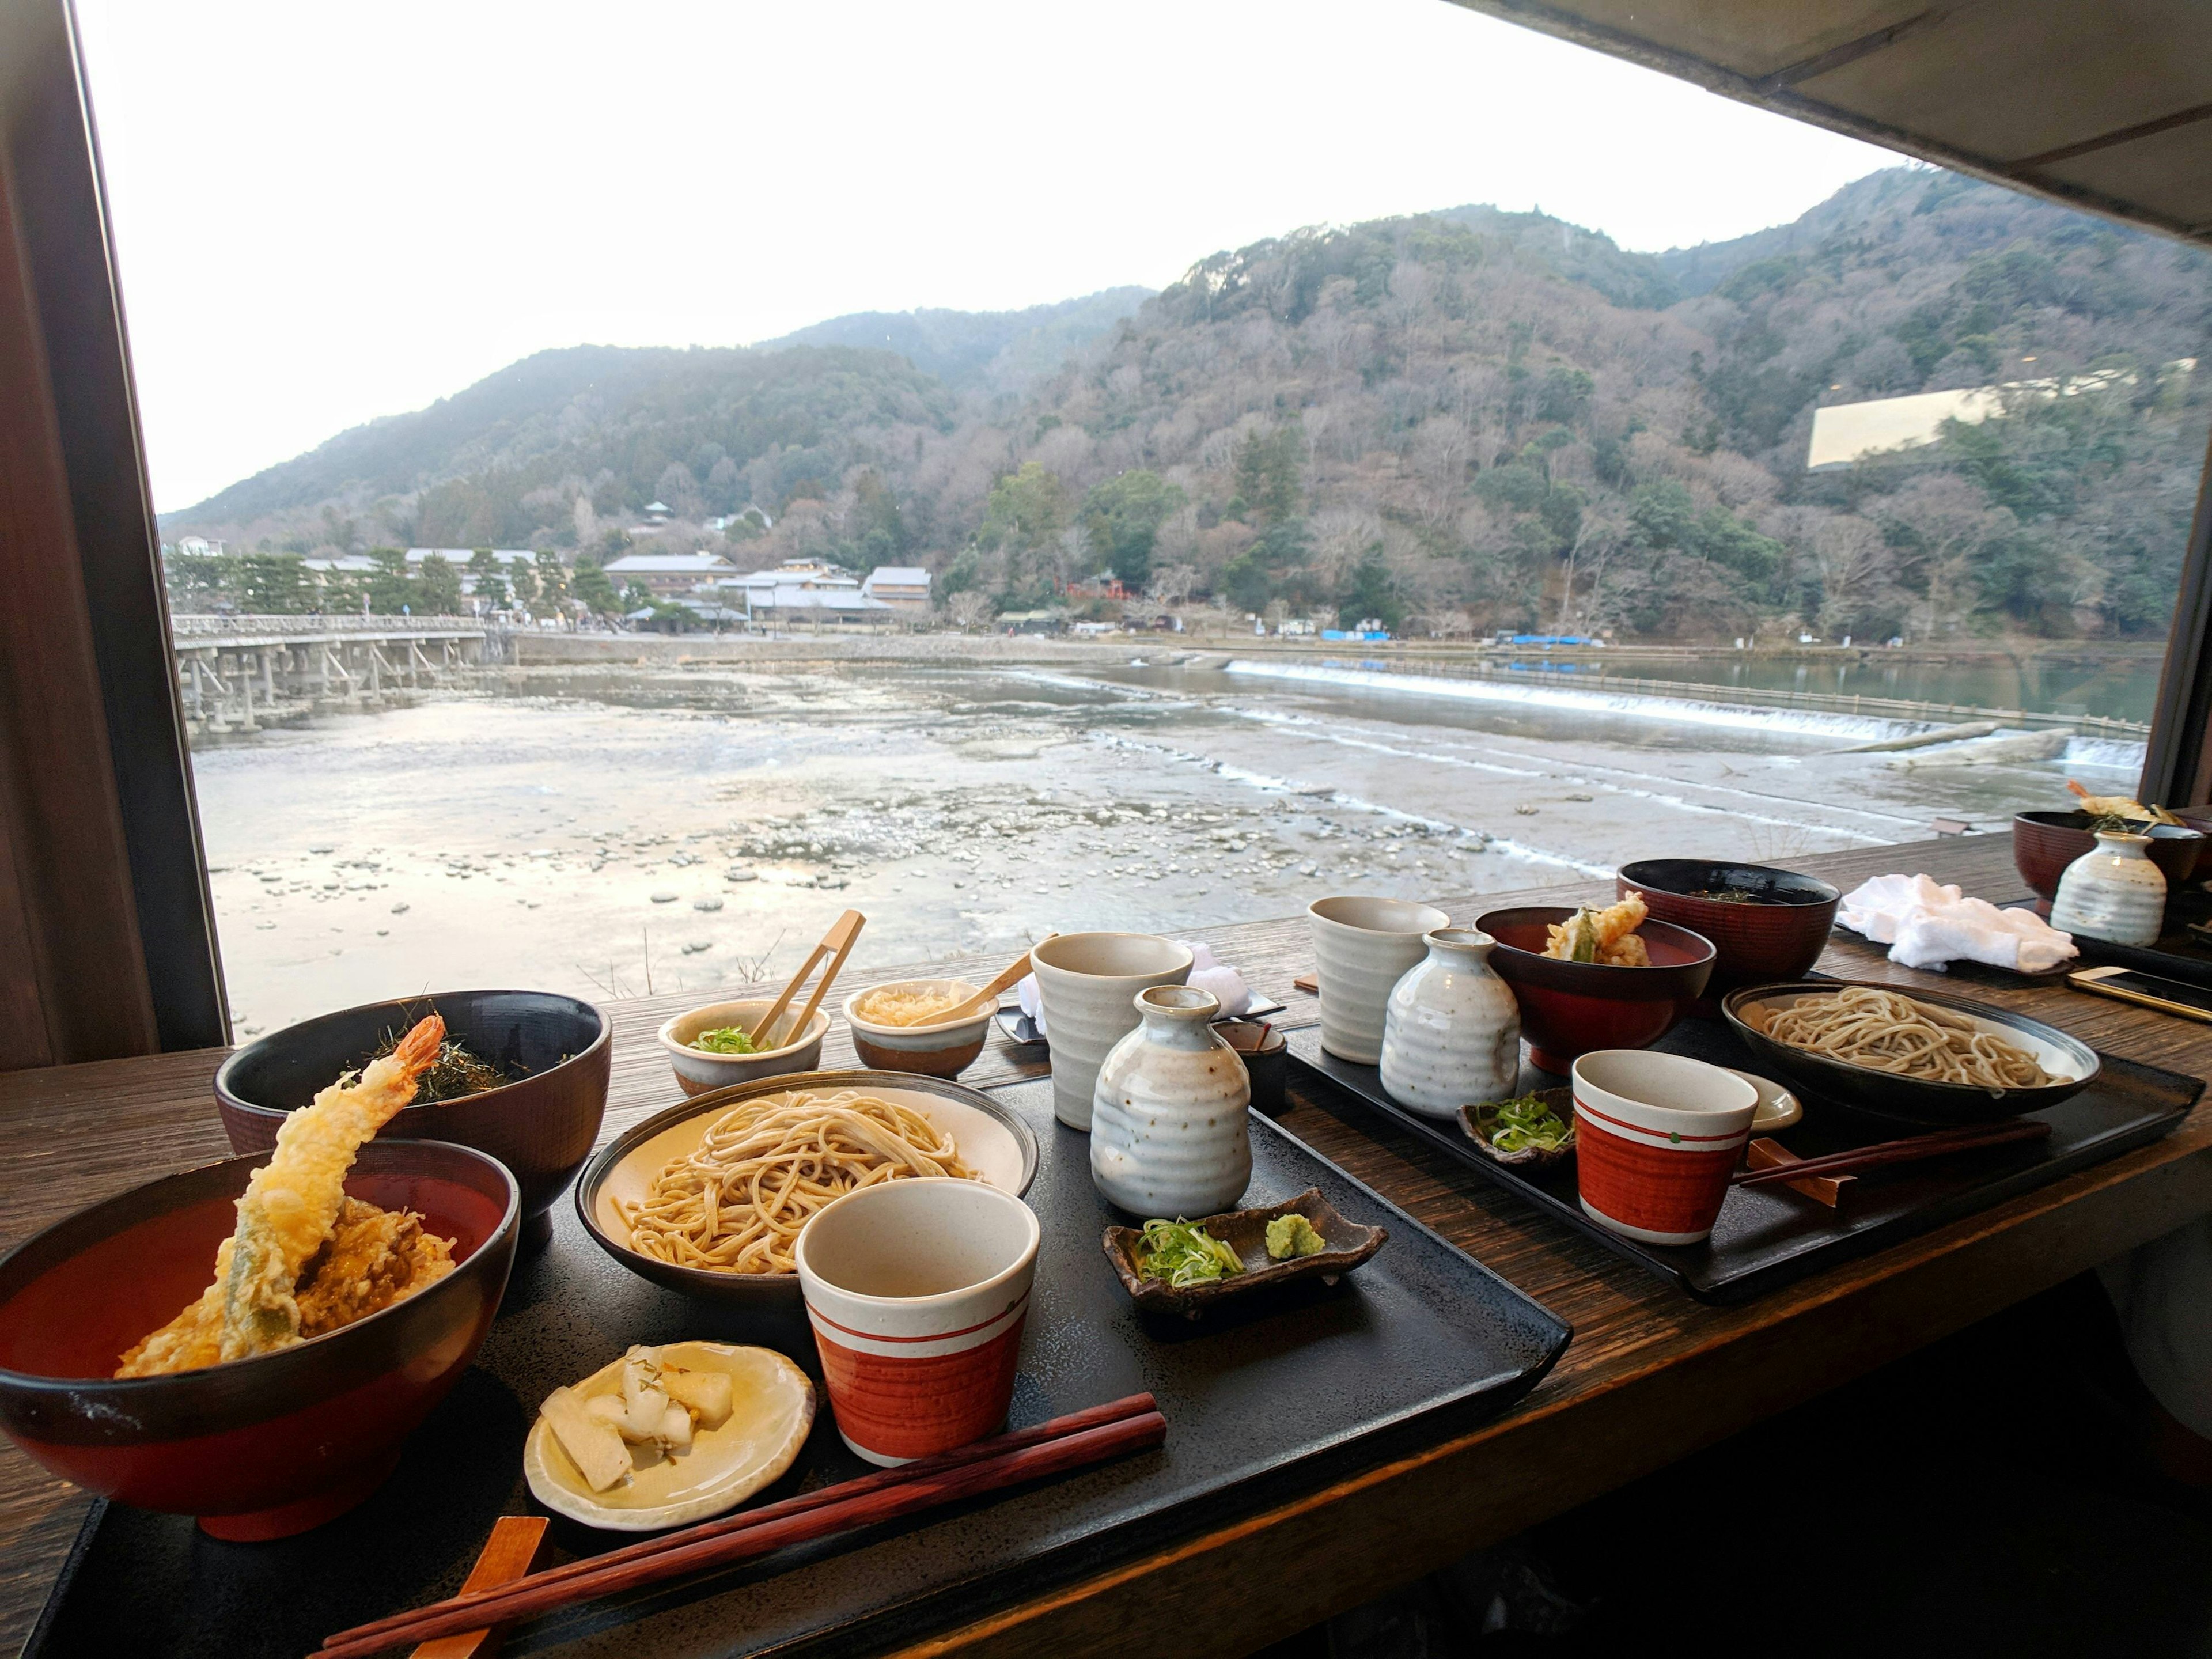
285	1214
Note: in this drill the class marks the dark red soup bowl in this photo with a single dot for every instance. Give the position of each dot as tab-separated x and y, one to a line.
1776	930
1569	1008
260	1448
541	1126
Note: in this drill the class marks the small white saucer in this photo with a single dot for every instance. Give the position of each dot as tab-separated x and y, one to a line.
771	1410
1777	1108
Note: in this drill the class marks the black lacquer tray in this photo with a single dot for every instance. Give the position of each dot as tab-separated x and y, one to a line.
1262	1402
2178	953
1769	1236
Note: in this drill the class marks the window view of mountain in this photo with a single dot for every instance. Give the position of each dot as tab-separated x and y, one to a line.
1452	421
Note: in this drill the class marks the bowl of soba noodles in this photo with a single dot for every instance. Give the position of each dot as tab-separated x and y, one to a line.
709	1197
1926	1058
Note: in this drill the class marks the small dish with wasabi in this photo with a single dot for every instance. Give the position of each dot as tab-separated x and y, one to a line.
1178	1264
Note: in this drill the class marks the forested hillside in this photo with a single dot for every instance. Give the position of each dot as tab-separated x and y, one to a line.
992	351
1467	419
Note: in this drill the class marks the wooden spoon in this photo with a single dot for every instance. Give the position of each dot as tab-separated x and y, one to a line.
839	939
989	994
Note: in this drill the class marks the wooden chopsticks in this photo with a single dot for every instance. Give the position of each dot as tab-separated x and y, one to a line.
1055	1448
839	939
1911	1150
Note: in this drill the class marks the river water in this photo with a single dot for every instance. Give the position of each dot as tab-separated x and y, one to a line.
612	831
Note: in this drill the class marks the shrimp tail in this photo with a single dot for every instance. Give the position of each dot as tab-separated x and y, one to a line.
417	1052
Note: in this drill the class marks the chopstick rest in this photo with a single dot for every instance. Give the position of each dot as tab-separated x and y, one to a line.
508	1554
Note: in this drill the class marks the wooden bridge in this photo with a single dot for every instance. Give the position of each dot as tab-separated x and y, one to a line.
240	673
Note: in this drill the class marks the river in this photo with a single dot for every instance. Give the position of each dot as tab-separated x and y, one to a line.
614	830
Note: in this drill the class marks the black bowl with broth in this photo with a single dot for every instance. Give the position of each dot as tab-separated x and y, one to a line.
1915	1100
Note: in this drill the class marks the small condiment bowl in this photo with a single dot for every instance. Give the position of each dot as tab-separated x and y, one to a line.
698	1072
1266	1057
939	1049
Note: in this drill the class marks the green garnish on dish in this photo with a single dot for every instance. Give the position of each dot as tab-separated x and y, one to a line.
1522	1125
1292	1234
723	1039
1184	1255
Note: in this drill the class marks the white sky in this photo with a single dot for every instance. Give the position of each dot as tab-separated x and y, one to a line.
328	212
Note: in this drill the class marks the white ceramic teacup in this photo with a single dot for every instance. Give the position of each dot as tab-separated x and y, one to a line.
1656	1138
1088	983
1363	946
916	1292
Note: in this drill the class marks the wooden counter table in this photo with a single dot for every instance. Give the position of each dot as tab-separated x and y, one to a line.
1651	1375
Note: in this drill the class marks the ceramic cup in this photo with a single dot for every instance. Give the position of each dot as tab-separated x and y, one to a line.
1088	984
1656	1138
1364	946
916	1290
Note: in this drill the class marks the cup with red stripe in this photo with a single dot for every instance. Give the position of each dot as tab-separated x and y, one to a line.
1656	1138
916	1289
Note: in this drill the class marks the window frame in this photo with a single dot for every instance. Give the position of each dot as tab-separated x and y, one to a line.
51	147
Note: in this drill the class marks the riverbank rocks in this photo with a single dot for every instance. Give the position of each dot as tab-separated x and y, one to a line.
710	902
664	897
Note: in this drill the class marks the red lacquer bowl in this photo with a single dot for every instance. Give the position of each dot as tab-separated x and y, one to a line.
541	1126
1569	1008
1781	937
261	1448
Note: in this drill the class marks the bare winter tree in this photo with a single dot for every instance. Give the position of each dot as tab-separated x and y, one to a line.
968	610
1853	560
1173	584
1948	521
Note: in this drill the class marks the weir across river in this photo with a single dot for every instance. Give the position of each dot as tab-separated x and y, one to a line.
240	673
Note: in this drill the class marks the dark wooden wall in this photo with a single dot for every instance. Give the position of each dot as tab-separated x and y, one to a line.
106	931
72	973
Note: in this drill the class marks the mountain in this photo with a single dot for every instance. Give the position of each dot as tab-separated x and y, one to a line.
1470	417
525	420
978	350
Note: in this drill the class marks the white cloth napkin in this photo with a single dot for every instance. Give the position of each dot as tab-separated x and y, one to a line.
1928	926
1206	973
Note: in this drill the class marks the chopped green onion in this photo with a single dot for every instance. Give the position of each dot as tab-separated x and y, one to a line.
1518	1126
1184	1255
723	1040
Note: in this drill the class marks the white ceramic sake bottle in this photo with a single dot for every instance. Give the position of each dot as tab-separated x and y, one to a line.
2114	892
1451	1030
1170	1132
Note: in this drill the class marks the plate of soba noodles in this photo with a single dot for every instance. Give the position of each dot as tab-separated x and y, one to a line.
708	1197
1922	1055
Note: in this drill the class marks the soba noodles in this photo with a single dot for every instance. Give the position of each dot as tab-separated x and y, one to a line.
736	1204
1886	1032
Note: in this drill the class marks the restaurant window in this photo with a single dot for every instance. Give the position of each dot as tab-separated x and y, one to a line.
1352	522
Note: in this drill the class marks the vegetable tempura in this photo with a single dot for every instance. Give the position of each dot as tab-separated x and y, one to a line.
1606	937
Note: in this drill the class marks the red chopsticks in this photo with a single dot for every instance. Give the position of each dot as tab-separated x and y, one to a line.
1063	1444
1911	1150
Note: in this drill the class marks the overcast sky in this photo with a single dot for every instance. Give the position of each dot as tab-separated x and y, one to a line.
328	212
